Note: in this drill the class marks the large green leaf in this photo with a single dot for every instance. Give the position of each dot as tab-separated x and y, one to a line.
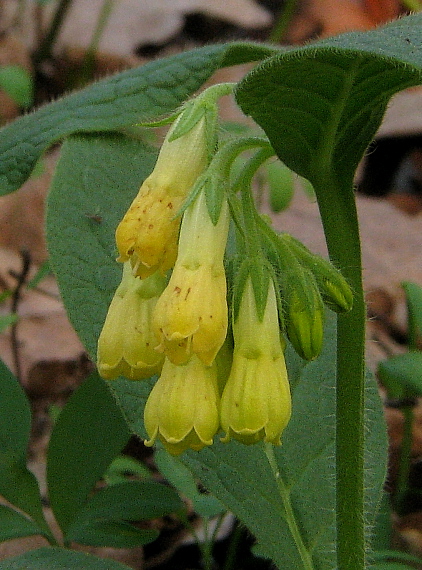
95	182
402	375
320	105
89	433
128	98
98	175
111	508
59	559
183	480
17	484
111	534
15	525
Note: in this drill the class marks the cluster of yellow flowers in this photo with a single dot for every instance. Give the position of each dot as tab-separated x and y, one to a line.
208	379
220	364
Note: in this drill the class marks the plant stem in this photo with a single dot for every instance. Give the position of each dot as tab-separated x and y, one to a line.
88	65
45	49
281	25
289	514
230	562
404	463
338	212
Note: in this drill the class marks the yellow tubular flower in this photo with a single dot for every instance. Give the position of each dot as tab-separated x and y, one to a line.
182	408
147	235
256	401
126	343
191	315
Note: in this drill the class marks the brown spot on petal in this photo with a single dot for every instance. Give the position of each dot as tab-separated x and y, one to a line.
177	290
187	293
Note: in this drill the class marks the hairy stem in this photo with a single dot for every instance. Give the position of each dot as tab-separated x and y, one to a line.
339	217
289	514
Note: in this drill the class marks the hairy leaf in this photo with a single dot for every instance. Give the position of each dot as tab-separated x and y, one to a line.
59	559
134	96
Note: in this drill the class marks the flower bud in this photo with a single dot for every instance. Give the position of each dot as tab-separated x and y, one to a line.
256	401
191	315
126	343
182	408
335	291
147	234
304	315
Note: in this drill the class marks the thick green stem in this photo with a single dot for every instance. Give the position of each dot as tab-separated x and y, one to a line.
339	217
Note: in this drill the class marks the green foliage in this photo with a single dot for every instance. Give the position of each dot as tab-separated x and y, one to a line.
103	520
414	309
17	484
97	430
132	97
59	559
17	83
292	514
280	180
317	101
394	560
320	106
401	375
89	433
15	525
183	480
225	469
7	320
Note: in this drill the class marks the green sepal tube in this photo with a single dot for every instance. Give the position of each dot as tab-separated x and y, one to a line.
301	301
304	314
335	291
260	272
280	180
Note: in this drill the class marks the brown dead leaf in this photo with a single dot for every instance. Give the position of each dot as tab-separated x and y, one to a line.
381	11
22	214
324	18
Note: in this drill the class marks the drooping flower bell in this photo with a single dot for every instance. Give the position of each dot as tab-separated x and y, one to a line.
147	234
126	343
256	402
191	315
182	408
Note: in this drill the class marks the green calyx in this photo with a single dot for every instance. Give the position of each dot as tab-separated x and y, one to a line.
335	291
305	283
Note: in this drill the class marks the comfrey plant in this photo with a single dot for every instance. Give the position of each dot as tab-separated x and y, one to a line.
180	220
211	329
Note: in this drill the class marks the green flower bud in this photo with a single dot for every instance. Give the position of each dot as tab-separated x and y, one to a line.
335	291
304	315
281	184
126	346
182	408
